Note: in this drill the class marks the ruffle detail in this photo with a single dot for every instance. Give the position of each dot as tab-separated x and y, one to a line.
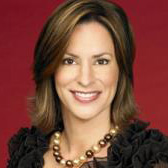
138	147
135	147
26	148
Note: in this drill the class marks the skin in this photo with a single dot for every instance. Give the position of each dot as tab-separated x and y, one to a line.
85	124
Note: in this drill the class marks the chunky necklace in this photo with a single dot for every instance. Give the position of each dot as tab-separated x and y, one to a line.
88	154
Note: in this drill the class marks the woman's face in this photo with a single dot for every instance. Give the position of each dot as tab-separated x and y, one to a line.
85	69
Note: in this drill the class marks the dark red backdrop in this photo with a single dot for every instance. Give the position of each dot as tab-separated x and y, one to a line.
20	24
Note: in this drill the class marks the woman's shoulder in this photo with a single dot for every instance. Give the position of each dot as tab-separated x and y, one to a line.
25	147
139	146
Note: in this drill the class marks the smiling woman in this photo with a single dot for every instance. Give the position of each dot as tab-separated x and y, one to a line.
94	81
84	113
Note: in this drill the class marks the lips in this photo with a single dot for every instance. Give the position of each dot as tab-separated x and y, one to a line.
84	92
85	97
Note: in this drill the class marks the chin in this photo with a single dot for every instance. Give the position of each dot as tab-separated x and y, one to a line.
86	114
84	117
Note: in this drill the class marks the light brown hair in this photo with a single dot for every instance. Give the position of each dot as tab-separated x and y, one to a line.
52	44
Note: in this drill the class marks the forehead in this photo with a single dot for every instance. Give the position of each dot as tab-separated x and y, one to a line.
90	38
93	56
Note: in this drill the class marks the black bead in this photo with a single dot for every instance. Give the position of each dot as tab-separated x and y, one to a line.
58	158
56	148
108	137
89	153
102	143
69	163
56	153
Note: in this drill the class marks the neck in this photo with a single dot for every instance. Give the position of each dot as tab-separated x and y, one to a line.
79	135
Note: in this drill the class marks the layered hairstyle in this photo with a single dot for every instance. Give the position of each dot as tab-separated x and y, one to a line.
52	44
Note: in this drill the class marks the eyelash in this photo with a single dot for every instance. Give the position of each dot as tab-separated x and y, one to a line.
66	59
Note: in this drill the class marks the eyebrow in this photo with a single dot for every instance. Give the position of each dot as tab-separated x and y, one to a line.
94	56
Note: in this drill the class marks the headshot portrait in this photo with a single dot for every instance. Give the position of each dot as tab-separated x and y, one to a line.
93	75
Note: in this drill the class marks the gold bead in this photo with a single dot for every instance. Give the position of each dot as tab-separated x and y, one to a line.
116	127
57	135
112	131
63	162
82	158
56	142
96	148
76	161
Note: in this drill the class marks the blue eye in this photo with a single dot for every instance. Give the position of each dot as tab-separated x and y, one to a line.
103	61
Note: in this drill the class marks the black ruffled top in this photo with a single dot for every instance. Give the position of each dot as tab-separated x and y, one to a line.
135	147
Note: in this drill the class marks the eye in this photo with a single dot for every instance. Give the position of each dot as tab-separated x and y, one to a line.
67	61
103	61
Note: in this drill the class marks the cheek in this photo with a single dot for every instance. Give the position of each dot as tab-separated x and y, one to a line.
109	76
64	76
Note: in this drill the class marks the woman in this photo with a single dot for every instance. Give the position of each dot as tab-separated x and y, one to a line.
84	113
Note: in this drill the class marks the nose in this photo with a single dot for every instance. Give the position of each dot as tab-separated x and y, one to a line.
86	75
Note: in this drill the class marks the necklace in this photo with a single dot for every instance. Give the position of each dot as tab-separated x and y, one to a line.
88	154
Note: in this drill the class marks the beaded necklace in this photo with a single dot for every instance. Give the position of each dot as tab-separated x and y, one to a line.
88	154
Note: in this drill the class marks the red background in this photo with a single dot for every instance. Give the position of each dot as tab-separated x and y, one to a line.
20	24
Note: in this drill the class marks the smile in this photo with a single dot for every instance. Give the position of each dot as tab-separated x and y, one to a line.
85	97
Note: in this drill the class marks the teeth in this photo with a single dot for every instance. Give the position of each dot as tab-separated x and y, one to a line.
85	95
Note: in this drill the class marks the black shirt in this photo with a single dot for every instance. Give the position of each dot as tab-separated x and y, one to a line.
136	147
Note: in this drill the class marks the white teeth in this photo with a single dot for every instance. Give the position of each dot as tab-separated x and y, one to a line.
85	95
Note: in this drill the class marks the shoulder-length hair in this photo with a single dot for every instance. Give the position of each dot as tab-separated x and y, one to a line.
52	44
